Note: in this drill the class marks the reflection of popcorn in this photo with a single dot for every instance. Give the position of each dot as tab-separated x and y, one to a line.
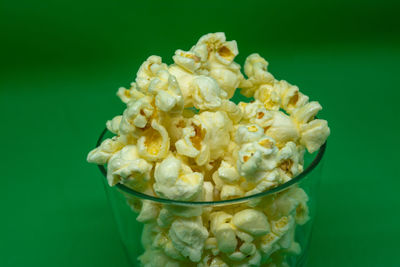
180	119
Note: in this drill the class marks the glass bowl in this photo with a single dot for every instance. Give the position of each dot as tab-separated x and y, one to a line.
283	240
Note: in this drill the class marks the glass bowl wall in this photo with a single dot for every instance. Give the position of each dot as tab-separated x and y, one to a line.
291	205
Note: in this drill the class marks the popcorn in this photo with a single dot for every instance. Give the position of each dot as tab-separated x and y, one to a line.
255	68
113	125
206	93
154	143
126	165
105	151
251	221
180	119
175	180
137	115
148	71
188	236
168	96
206	138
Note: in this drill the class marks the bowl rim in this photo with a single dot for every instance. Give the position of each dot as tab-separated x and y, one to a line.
298	178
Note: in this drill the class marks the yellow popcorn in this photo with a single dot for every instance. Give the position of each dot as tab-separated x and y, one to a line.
113	125
255	68
206	138
168	96
188	236
148	212
291	97
148	71
137	115
206	93
269	96
105	151
126	165
154	143
190	61
251	221
175	180
282	128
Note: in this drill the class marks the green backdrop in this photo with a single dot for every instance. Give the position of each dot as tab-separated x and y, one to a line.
62	62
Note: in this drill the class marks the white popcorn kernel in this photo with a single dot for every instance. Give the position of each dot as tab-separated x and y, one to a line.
269	96
291	98
245	237
237	256
248	133
248	248
174	180
185	80
113	125
165	217
206	93
307	112
314	134
206	138
188	236
255	259
289	159
267	243
208	191
255	68
255	158
228	173
218	218
226	238
224	52
137	114
232	110
227	77
105	151
270	180
126	165
256	113
251	221
168	96
190	143
287	239
148	70
149	212
149	233
282	128
187	60
282	226
154	144
231	192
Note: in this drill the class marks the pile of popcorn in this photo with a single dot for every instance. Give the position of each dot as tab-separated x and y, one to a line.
181	138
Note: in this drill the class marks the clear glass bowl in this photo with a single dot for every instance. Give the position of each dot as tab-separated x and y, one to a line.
291	205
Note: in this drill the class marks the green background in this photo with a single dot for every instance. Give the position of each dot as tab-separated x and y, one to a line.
62	62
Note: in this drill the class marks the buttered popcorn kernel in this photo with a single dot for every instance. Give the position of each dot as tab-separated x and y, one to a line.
181	137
